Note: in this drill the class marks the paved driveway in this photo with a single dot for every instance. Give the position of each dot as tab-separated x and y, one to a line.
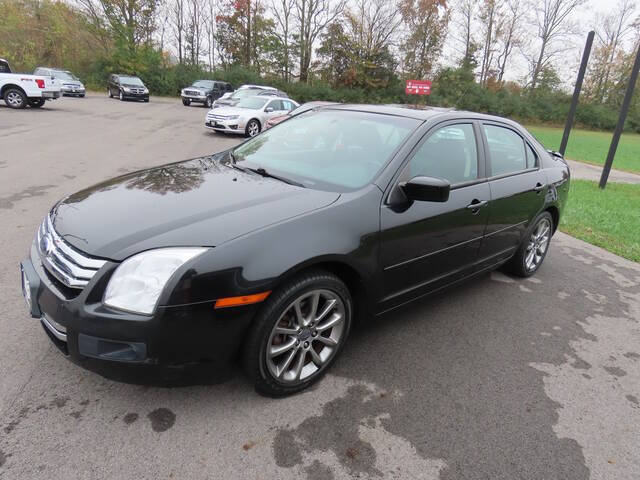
500	378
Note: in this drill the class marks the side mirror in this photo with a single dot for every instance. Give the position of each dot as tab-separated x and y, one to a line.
268	109
426	189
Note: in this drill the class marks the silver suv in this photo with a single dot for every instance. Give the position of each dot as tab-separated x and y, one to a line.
71	85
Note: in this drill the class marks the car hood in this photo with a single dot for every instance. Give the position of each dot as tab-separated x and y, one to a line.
195	89
199	202
228	111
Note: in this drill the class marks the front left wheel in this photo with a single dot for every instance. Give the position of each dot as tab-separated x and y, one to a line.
298	333
253	128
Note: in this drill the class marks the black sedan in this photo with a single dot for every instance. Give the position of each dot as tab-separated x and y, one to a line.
270	250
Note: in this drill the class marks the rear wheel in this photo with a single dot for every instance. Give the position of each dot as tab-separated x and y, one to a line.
298	333
15	98
534	248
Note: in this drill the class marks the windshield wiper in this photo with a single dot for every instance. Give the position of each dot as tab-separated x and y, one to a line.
234	163
264	173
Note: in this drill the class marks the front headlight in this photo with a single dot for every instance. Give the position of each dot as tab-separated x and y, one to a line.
126	89
146	90
138	282
233	117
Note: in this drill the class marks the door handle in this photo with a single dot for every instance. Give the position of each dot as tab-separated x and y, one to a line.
539	187
477	204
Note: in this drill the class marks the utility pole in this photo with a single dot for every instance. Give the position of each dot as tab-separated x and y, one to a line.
576	92
621	119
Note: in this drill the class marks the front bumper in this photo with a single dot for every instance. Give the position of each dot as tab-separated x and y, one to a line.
135	96
192	98
73	91
186	343
228	126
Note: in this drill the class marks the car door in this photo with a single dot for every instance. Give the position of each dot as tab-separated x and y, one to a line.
274	108
426	245
518	188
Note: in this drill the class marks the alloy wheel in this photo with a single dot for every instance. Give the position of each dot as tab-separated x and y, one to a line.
253	128
538	245
306	336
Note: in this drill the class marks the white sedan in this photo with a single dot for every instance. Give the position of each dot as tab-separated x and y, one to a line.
249	116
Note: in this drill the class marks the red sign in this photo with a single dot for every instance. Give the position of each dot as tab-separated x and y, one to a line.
418	87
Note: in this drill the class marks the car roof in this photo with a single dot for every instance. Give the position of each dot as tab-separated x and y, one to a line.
263	87
424	113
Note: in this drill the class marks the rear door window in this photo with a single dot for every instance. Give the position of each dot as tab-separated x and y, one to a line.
506	149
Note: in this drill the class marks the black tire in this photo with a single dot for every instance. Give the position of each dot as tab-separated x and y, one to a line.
121	96
186	102
81	95
146	100
15	98
251	127
208	102
254	350
110	93
36	103
517	265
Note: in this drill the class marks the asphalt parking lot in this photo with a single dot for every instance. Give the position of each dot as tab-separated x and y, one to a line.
500	378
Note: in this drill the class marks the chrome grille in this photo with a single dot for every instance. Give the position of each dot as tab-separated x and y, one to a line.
64	262
211	116
195	93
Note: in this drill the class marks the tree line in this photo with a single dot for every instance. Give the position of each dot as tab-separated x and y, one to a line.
506	57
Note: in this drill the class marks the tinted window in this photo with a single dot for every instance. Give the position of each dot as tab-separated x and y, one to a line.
4	67
328	150
532	158
276	105
506	148
449	153
229	88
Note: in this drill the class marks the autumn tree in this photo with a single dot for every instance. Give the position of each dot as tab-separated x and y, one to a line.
611	31
426	23
511	34
553	24
311	19
242	34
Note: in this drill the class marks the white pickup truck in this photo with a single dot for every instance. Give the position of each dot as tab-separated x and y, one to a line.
19	90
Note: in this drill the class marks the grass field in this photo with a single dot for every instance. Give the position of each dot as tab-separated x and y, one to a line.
609	218
592	147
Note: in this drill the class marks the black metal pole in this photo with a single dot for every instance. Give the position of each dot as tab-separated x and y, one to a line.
576	92
621	119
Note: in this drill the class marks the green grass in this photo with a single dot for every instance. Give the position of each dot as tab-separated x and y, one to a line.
608	218
592	147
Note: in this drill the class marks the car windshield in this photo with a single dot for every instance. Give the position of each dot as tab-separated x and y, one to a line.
64	75
334	150
203	84
131	81
252	103
245	92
